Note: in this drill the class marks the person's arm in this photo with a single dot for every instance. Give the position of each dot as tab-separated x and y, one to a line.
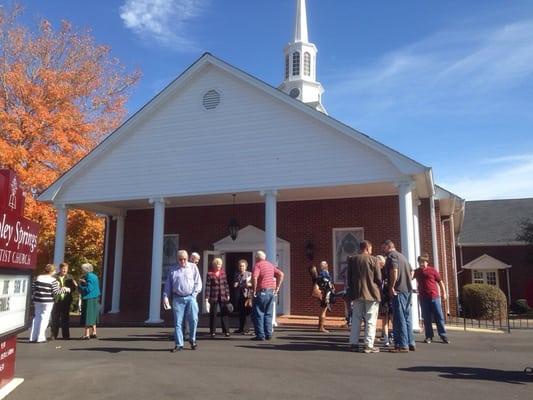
443	291
393	279
255	276
167	290
279	279
226	286
197	281
377	273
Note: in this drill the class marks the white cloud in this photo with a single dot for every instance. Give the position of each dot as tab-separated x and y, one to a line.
510	178
465	71
165	21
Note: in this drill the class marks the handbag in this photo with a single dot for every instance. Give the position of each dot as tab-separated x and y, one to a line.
316	292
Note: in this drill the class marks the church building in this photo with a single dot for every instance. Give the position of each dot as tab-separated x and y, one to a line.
224	164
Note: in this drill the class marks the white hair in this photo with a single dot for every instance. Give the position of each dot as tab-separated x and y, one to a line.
261	255
87	267
183	254
195	255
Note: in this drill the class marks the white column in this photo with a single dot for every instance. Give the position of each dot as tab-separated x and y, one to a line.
405	193
117	265
434	244
61	234
416	235
154	316
106	264
271	224
407	233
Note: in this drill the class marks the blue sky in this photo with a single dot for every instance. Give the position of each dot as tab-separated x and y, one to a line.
448	83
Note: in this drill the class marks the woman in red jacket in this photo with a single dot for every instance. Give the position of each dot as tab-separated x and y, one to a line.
218	296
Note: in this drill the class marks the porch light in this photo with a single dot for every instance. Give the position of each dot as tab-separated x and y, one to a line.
233	226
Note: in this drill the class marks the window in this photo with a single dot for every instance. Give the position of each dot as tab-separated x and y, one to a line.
170	253
485	277
307	64
295	63
287	69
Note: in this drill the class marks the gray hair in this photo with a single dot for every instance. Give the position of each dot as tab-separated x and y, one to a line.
183	254
195	255
87	267
261	255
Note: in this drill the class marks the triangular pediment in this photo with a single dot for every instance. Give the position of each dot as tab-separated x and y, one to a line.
254	138
248	236
486	263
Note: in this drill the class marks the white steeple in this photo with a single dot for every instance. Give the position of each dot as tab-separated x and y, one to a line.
300	64
300	26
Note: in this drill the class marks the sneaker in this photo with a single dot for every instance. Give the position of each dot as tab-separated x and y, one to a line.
194	346
227	334
370	350
176	349
258	339
427	340
445	339
386	344
412	348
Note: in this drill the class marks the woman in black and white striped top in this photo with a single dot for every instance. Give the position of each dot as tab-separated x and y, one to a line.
44	288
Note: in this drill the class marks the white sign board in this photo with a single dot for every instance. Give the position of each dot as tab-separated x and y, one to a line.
13	294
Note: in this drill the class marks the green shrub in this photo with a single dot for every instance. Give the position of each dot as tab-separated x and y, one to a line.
520	306
484	302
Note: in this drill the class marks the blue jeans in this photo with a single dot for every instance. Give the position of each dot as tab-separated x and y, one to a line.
185	308
402	320
262	313
432	308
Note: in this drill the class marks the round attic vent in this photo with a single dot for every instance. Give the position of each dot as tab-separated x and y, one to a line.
211	100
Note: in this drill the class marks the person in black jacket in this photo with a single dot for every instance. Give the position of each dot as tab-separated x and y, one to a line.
62	302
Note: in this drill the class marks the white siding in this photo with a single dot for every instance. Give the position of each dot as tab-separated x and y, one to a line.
251	141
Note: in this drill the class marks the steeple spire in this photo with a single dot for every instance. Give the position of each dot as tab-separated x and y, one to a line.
300	27
300	64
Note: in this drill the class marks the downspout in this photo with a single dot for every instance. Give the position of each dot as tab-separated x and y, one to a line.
434	243
454	261
106	257
443	235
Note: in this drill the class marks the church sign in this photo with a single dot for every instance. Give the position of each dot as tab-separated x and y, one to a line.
18	258
18	236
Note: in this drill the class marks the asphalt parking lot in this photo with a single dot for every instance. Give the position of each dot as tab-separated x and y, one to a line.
135	363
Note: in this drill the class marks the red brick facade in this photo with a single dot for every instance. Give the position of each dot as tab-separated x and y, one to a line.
298	223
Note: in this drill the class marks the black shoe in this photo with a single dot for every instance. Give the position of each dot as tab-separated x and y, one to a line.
93	336
238	331
212	334
227	334
85	338
268	338
258	339
194	346
176	349
445	339
412	348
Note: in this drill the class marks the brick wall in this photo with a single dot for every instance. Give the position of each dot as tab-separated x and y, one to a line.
298	222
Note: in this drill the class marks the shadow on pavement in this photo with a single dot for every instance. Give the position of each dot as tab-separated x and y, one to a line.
120	349
478	374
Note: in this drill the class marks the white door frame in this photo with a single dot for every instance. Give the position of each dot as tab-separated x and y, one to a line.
251	239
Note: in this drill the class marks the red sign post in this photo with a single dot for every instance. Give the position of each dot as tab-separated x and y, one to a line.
18	257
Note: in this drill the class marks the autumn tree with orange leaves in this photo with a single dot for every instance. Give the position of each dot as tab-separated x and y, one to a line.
60	95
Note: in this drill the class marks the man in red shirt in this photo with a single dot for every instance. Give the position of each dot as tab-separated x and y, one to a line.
430	303
266	281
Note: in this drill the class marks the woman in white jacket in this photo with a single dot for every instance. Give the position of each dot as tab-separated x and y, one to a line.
44	289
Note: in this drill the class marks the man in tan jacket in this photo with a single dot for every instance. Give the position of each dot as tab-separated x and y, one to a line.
364	280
